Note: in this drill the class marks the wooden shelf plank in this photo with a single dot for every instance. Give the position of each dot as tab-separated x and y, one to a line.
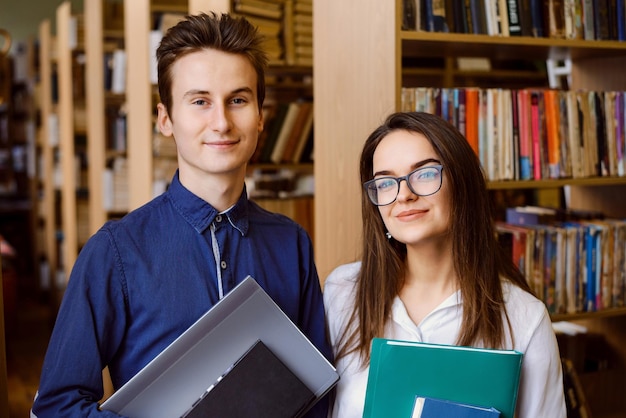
436	44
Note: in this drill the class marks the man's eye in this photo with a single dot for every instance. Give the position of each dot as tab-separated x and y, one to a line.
200	102
239	100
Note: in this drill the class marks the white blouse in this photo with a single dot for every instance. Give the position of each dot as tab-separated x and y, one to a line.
541	382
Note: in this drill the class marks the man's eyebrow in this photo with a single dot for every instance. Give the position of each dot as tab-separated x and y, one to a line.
196	92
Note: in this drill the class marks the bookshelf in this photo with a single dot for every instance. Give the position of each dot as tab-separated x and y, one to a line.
17	150
355	91
46	155
72	124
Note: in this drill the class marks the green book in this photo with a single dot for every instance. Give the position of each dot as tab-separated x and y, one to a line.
401	370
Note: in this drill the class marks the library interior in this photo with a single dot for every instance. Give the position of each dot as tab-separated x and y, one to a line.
535	87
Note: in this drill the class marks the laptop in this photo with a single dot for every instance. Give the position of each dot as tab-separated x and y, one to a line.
181	374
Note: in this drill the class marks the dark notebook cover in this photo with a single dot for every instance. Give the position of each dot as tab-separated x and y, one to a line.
258	385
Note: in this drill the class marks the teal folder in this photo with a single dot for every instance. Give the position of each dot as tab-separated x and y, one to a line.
401	370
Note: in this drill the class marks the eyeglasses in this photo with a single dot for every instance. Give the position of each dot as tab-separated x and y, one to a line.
423	181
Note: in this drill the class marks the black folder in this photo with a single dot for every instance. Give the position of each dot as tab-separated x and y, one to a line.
259	385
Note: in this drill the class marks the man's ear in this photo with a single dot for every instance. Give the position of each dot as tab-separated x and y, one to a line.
261	121
163	120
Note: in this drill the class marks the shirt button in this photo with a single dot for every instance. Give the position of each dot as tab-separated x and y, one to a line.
223	265
218	218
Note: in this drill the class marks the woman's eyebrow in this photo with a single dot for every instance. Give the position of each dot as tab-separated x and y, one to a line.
413	167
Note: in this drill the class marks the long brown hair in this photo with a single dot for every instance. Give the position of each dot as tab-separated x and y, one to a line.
220	32
478	258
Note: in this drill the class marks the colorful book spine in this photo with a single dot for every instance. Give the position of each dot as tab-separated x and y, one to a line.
552	127
535	133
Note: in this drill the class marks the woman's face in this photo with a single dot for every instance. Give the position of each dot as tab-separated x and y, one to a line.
412	219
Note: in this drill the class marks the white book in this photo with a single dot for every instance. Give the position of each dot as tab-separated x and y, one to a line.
118	79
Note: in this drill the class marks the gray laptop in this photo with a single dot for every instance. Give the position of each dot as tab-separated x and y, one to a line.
181	374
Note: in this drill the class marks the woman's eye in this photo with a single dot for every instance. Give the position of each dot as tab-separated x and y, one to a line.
427	175
385	183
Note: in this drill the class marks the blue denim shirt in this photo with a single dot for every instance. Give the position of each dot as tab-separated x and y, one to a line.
141	281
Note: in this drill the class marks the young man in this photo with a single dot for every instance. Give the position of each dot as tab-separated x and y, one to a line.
141	281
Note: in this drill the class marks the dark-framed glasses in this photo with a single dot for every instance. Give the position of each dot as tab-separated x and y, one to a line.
423	181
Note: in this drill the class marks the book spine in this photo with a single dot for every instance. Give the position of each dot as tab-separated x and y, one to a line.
535	134
590	285
619	132
588	22
620	18
601	19
525	137
526	19
536	11
552	134
513	15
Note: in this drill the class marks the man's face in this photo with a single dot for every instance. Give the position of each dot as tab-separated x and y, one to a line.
215	118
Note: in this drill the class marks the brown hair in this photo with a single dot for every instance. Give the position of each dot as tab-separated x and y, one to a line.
478	258
220	32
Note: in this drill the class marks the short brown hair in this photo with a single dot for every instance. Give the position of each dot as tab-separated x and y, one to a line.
221	32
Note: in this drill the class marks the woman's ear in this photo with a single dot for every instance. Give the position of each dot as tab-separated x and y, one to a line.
164	122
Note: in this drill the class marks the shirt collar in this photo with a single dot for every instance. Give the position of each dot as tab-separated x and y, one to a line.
201	214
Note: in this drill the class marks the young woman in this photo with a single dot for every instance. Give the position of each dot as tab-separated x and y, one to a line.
431	269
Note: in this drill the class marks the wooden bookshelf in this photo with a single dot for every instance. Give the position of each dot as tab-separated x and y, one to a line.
355	91
67	109
48	207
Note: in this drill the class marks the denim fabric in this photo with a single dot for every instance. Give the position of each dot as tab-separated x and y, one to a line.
141	281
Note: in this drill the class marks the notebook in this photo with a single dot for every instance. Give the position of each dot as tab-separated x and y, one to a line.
401	370
180	375
258	385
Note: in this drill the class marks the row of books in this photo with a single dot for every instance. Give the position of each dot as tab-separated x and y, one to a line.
572	263
570	19
287	27
288	134
534	134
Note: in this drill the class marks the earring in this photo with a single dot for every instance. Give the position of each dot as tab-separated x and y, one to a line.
388	235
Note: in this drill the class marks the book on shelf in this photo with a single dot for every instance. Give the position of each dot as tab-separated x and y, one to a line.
287	133
513	15
575	398
575	262
284	133
305	110
552	132
589	31
265	26
541	133
560	19
554	18
573	15
303	7
304	142
261	8
602	21
289	25
401	370
518	242
273	127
